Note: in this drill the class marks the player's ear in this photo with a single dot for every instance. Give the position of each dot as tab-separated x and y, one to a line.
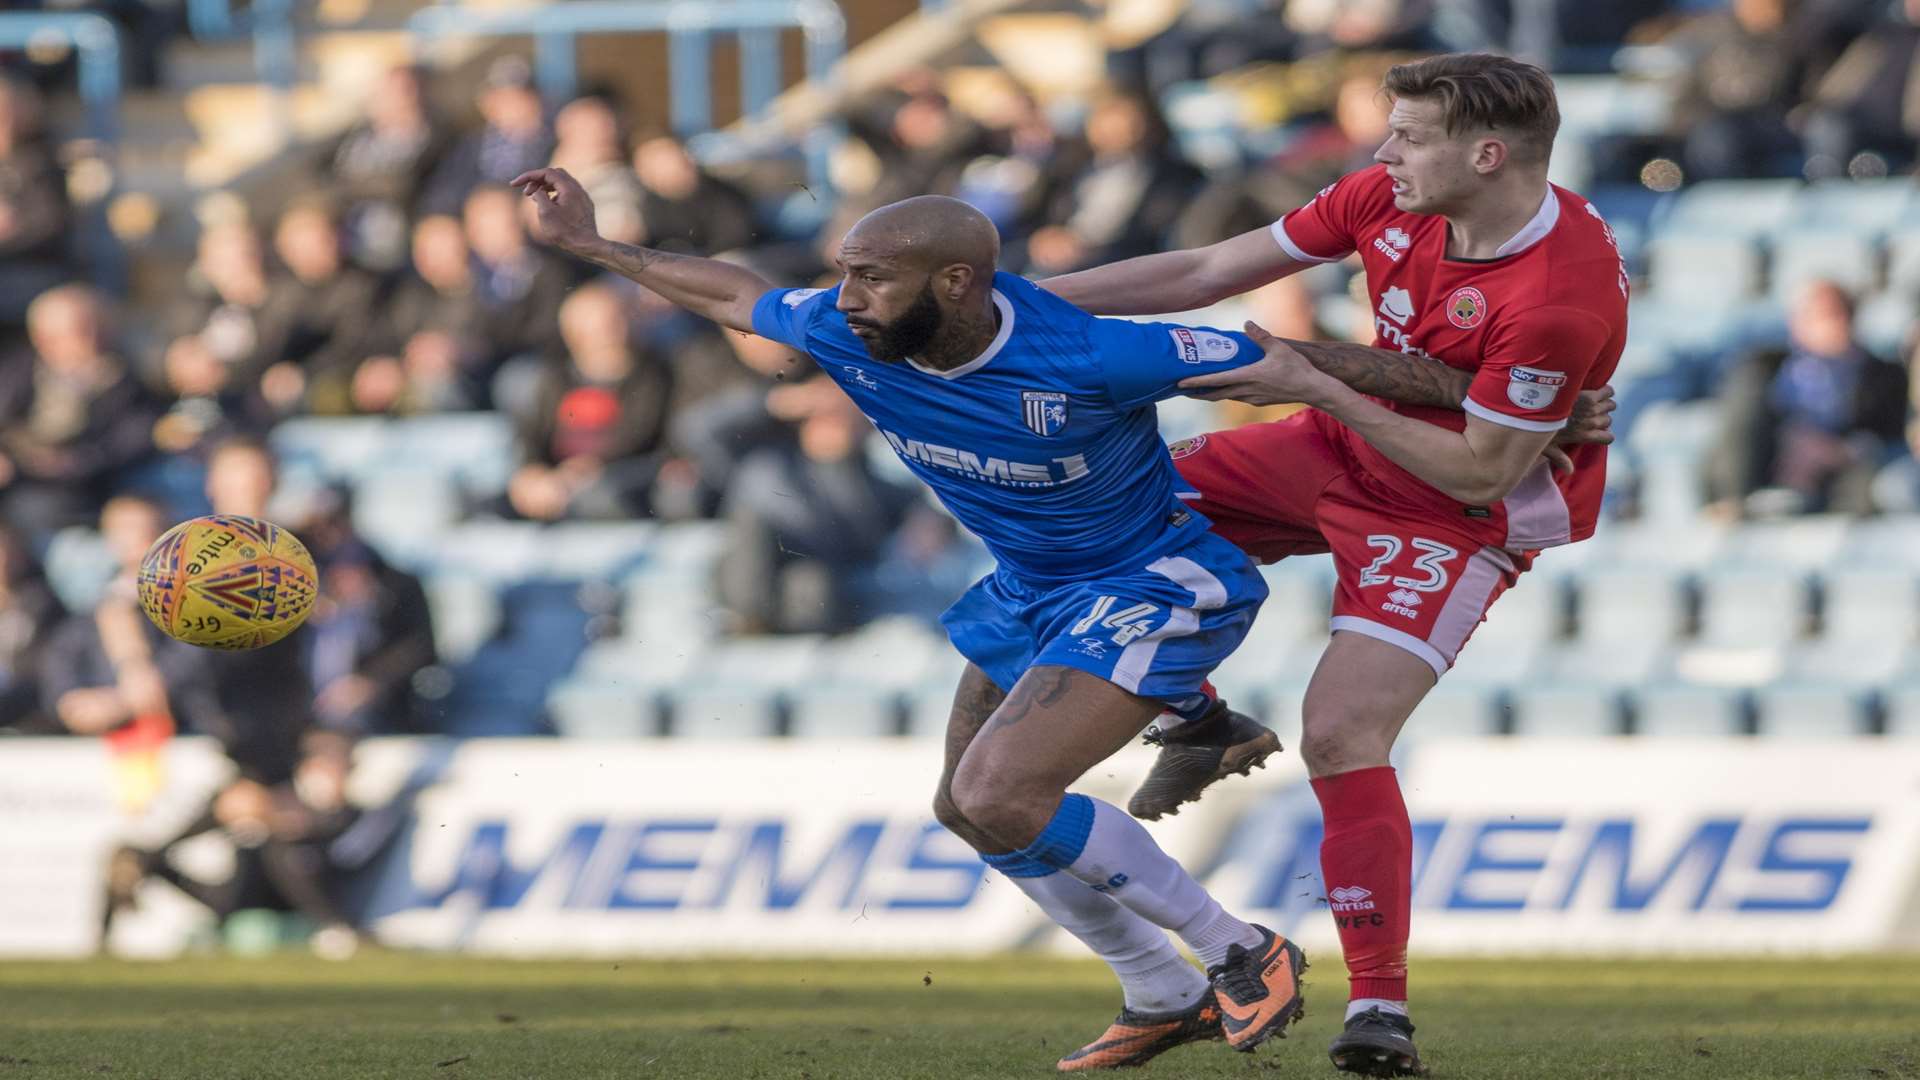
1489	154
954	281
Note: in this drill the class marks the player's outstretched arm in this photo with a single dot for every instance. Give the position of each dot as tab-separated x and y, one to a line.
1416	380
1177	280
709	288
1479	466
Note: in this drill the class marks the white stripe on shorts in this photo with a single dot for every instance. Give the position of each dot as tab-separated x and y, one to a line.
1467	604
1209	592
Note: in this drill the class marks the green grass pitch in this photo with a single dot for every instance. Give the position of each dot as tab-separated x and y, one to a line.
438	1018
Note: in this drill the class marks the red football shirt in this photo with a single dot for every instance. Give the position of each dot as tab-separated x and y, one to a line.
1543	320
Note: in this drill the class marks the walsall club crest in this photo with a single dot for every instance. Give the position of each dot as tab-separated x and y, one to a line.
1044	411
1466	307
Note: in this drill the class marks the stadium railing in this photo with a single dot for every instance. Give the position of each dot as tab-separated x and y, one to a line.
98	45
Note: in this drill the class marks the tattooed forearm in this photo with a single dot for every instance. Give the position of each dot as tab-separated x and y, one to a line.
1384	373
709	288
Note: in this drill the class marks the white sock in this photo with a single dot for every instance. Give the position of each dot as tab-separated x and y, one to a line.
1360	1005
1153	974
1121	859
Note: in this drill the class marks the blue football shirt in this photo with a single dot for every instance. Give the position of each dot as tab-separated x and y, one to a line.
1046	445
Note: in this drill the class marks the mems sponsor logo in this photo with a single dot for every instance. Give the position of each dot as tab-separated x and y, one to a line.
993	470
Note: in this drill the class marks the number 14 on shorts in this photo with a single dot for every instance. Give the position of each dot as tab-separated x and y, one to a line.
1128	624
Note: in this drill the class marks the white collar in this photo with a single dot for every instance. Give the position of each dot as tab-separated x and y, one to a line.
978	362
1533	231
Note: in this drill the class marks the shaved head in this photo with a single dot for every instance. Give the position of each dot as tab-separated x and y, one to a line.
928	232
919	277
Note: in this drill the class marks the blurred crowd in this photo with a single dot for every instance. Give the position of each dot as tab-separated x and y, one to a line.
401	278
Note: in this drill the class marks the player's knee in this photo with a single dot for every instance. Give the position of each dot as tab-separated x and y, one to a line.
947	813
1329	746
999	808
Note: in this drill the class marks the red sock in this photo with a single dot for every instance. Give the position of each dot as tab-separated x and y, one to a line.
1366	859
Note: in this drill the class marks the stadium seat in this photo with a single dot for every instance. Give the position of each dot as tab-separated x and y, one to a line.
1901	707
477	447
1624	605
1454	709
723	711
1703	270
595	550
584	708
928	707
1852	261
1748	208
1885	542
1593	105
1566	709
466	615
1806	543
1672	323
894	654
1882	322
665	663
493	550
842	712
1642	360
340	447
1687	709
1903	262
1862	604
1811	710
1533	612
78	566
1754	606
1869	207
404	511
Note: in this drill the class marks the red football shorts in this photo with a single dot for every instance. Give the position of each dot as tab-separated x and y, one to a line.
1285	488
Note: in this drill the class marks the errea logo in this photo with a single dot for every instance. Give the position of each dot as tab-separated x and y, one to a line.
1350	898
1403	602
1393	243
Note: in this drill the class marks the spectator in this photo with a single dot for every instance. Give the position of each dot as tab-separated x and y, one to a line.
594	439
592	148
519	286
33	206
685	208
1123	200
1867	100
1814	420
368	636
926	146
290	841
513	139
220	340
713	435
28	612
71	418
427	352
380	167
1745	75
317	317
808	518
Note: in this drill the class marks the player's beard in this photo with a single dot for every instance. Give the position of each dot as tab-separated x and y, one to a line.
911	333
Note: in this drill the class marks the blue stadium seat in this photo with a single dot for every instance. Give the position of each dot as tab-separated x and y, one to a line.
1566	709
78	566
1689	709
1811	710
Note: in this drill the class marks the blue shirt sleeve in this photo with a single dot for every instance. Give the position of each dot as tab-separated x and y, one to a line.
783	315
1144	362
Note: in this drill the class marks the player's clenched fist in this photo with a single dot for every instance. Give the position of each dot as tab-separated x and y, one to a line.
566	211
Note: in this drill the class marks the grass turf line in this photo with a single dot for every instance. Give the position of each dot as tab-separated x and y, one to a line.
400	1015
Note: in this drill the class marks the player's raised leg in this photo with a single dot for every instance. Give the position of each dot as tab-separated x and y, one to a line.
1360	696
1167	1001
1011	783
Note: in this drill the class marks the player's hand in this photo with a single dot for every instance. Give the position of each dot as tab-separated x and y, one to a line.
1282	377
565	210
1592	420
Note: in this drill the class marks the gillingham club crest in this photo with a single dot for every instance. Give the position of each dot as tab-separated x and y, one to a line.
1466	307
1045	411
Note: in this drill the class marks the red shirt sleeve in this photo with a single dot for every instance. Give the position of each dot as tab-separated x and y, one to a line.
1534	366
1327	228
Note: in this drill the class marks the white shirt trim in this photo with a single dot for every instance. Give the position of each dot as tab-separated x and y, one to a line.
1279	231
999	342
1533	231
1492	416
